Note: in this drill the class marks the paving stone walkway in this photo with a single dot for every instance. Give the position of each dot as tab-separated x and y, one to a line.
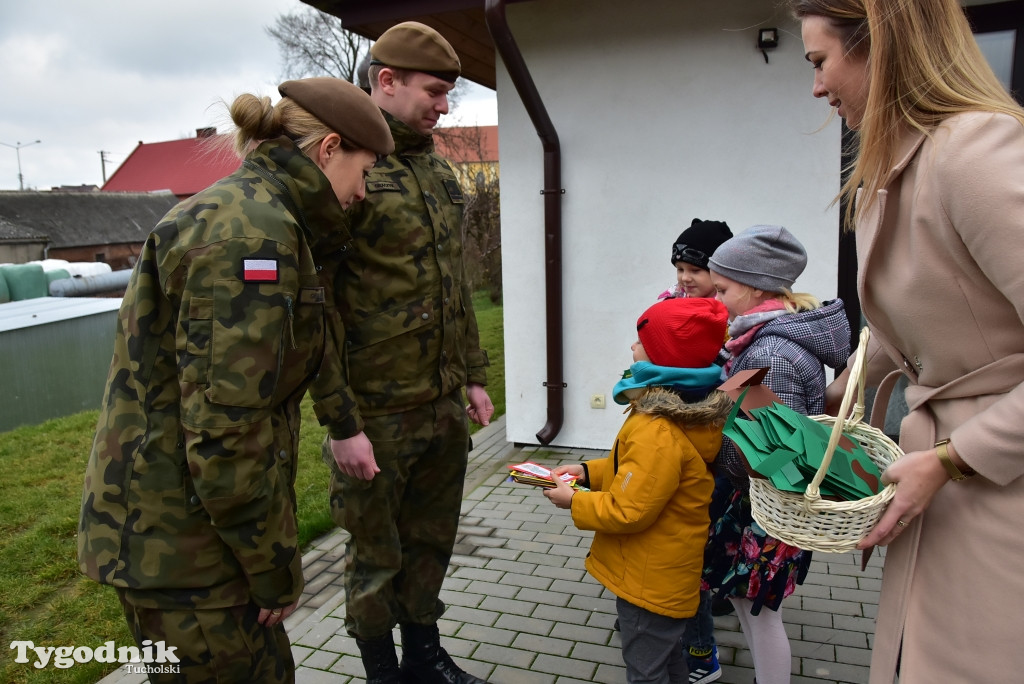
523	610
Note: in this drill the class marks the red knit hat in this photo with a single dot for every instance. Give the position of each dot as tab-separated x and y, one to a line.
684	332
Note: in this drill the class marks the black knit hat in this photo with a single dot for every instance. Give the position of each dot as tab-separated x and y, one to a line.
696	244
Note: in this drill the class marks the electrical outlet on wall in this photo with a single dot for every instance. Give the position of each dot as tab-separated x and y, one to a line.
597	401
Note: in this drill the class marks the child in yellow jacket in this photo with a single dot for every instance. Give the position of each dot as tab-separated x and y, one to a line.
648	504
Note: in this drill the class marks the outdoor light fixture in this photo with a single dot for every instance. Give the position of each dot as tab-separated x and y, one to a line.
767	39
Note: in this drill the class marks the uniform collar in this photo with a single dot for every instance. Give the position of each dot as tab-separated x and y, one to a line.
315	204
407	140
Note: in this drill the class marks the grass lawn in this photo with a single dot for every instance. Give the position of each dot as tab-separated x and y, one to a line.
44	599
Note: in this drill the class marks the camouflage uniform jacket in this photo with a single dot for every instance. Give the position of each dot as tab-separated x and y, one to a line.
189	494
405	324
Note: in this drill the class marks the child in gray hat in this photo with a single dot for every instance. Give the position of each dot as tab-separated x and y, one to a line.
795	336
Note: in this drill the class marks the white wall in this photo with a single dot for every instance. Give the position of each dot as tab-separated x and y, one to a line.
665	111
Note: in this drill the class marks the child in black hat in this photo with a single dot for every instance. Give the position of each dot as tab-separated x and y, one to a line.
690	254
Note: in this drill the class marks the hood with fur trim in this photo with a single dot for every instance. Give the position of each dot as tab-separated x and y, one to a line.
708	412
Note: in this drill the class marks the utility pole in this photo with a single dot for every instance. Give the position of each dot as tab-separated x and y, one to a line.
17	149
103	164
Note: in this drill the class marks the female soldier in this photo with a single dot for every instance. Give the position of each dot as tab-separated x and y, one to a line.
188	506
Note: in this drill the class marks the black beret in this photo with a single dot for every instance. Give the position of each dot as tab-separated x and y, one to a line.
417	47
345	108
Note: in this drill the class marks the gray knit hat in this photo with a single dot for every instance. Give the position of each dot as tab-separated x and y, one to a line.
766	258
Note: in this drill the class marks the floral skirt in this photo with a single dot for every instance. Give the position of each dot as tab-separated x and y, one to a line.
742	561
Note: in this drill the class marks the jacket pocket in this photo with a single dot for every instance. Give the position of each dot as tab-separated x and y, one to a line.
389	345
247	342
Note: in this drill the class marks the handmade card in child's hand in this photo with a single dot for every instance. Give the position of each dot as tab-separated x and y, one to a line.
537	475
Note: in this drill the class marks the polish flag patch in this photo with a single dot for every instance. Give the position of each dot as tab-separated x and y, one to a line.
259	270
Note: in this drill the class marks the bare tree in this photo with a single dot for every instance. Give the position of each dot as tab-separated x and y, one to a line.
314	43
481	224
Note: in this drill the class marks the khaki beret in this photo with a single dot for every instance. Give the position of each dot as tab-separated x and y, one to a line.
417	47
345	108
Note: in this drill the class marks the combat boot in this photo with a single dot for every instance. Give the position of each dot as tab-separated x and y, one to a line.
380	660
425	662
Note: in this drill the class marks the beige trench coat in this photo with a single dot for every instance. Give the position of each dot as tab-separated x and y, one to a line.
941	283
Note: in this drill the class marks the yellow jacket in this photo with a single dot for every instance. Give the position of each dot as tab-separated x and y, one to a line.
648	503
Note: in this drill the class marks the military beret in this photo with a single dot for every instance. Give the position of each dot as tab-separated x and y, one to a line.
417	47
345	108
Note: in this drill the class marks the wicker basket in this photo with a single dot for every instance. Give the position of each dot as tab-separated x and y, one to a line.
815	524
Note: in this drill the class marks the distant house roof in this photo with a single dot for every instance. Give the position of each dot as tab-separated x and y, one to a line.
467	144
78	219
183	167
11	232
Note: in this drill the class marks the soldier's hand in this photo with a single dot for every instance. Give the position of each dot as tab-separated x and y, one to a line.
480	408
354	456
269	617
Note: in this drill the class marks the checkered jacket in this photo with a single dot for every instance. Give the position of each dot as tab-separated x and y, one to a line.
796	348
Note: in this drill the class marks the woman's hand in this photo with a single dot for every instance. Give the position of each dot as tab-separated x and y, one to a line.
834	393
919	475
269	617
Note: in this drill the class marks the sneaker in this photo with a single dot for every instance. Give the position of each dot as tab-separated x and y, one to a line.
704	670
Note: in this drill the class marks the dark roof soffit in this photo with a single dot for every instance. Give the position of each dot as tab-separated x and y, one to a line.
462	22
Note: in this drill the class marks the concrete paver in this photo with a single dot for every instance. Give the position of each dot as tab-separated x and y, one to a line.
523	610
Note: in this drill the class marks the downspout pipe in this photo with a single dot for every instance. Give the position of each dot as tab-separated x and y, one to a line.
497	26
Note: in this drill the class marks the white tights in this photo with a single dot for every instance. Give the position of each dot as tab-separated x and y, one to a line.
767	641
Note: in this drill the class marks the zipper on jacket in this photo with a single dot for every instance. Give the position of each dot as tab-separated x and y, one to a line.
290	305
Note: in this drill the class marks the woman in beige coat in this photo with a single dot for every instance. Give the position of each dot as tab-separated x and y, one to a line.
940	242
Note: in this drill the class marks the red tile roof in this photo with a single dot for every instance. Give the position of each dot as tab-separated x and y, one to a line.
467	144
182	166
187	166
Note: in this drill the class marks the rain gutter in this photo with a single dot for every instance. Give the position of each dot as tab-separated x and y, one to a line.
497	26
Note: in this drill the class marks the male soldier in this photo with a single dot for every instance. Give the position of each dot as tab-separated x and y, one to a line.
188	506
409	339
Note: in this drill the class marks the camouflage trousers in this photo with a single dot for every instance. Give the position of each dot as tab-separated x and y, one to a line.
404	521
214	646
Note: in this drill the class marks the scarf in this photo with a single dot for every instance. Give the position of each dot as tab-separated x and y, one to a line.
743	328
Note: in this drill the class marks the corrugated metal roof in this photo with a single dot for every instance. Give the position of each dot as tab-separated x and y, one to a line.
42	310
182	166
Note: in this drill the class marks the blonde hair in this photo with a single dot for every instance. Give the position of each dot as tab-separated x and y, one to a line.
798	301
923	66
795	302
257	120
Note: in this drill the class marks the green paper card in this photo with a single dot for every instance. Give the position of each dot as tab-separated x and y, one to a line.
774	461
788	478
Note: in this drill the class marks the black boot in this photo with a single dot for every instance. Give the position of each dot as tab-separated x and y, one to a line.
425	662
380	660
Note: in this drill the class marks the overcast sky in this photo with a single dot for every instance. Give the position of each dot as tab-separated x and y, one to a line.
89	76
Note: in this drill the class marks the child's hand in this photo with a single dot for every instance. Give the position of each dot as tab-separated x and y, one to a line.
561	494
574	469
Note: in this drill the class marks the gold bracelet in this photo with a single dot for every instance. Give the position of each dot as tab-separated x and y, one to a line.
942	450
